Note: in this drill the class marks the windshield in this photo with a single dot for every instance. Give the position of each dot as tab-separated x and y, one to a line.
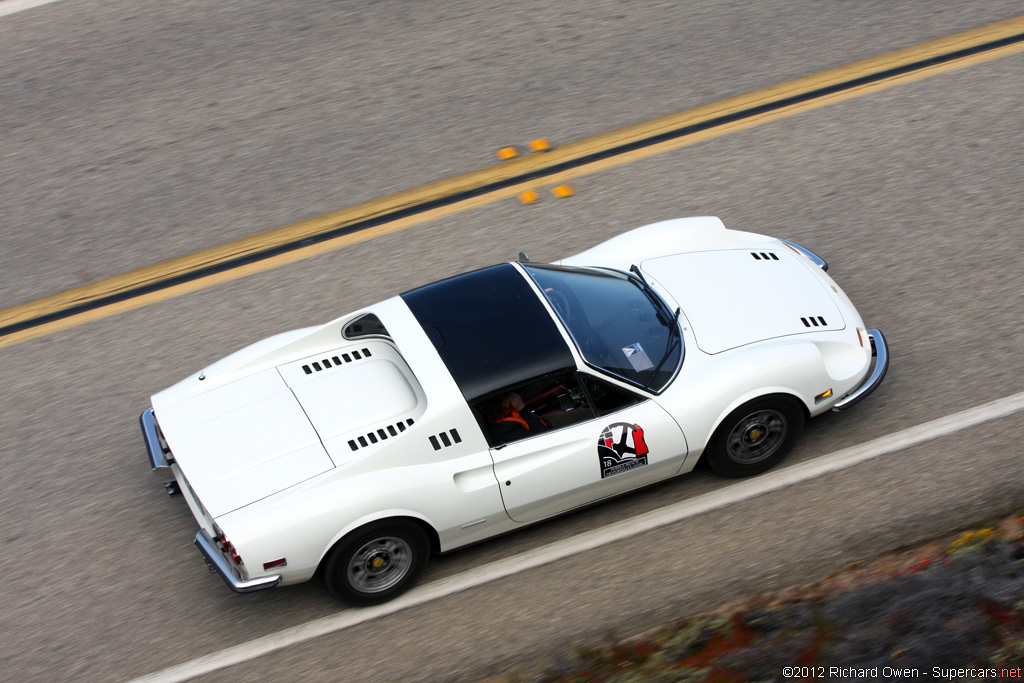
619	324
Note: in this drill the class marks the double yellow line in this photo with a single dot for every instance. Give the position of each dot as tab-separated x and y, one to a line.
398	211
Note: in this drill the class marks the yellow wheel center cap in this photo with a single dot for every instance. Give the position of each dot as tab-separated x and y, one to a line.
755	434
378	563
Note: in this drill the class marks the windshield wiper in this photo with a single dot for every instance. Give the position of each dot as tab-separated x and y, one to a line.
671	320
668	352
659	303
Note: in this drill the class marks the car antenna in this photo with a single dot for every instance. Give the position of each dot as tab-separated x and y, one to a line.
523	258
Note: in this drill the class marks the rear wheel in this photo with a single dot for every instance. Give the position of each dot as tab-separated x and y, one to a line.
377	563
755	436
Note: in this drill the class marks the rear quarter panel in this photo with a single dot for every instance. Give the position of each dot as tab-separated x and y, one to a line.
447	488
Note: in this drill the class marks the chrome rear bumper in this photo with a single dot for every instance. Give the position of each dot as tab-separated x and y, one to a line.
230	575
160	463
157	456
880	351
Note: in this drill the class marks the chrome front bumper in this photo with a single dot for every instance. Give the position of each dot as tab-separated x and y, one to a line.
815	259
231	577
880	351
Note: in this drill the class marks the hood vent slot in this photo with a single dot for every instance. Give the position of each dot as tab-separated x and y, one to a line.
334	361
814	321
764	256
445	440
382	434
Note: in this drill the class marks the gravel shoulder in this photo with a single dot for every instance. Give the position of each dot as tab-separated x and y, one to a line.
951	607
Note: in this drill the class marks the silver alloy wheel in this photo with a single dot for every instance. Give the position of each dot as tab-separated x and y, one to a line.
757	436
380	564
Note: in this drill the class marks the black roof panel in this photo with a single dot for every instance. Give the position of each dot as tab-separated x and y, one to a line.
490	329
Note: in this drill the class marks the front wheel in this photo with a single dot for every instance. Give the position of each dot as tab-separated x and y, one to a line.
755	436
377	563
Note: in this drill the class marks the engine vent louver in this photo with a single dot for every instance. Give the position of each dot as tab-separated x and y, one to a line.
445	440
334	361
764	256
813	321
382	434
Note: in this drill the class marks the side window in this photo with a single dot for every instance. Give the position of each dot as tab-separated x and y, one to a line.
606	397
531	408
367	325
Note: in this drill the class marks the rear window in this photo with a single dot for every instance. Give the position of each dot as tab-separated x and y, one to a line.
367	325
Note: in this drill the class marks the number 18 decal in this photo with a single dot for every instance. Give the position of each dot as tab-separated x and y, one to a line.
621	448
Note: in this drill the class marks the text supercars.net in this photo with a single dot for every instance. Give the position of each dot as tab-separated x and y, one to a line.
886	672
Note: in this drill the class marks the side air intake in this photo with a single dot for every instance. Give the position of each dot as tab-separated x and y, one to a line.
443	440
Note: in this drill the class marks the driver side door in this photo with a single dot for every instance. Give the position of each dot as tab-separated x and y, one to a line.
617	440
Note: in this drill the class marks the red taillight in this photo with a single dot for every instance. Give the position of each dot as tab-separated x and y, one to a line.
226	546
275	563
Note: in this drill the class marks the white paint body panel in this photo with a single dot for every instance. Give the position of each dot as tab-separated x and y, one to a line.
282	460
559	470
243	441
350	400
753	299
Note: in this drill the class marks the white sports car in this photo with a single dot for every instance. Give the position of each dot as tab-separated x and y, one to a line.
478	404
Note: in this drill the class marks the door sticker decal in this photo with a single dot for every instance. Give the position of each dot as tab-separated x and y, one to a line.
621	448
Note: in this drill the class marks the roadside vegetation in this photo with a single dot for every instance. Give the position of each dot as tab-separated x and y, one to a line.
953	604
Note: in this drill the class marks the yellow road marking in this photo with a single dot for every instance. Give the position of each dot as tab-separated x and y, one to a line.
505	171
506	153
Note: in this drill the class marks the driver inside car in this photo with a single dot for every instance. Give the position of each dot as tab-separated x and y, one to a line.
511	419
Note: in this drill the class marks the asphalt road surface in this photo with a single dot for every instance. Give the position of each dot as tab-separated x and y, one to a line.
131	132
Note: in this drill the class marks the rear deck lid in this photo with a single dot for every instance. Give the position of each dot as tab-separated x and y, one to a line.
242	441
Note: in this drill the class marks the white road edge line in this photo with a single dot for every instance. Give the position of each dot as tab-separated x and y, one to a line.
628	528
12	6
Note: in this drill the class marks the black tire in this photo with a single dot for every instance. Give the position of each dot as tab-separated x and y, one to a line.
755	436
377	562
